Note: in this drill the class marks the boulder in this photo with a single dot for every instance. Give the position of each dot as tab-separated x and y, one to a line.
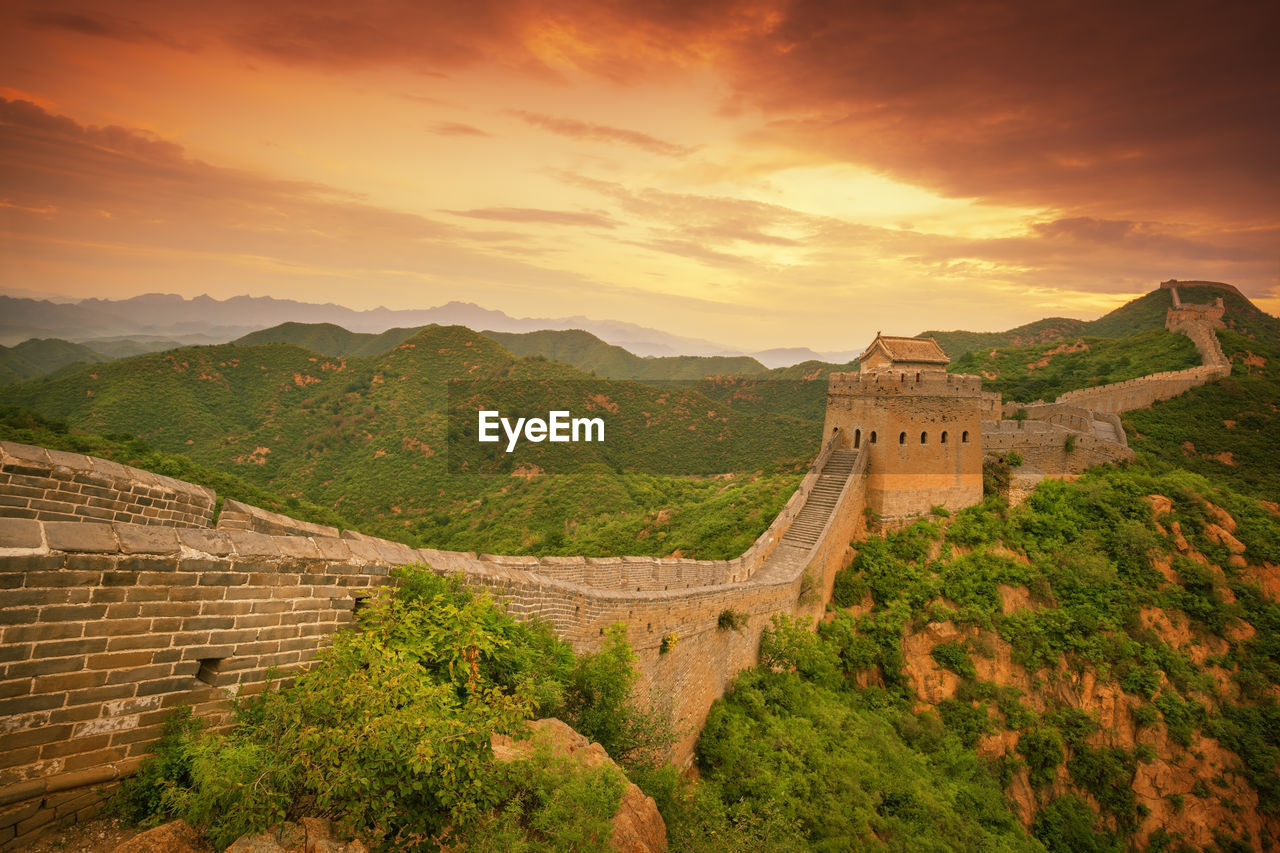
637	826
176	836
309	835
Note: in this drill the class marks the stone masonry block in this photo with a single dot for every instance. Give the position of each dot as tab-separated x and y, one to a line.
296	546
144	539
248	543
20	533
86	536
332	549
215	542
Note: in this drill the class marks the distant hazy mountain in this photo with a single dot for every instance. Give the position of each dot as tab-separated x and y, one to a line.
787	356
221	320
588	353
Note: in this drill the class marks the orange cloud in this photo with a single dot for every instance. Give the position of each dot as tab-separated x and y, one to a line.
583	130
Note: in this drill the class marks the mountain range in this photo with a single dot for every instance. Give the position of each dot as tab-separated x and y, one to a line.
205	320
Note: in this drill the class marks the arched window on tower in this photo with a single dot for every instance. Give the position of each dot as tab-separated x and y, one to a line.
902	438
857	438
944	437
924	438
873	436
964	437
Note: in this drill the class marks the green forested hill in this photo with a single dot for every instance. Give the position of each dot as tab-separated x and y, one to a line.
589	354
957	343
39	356
1143	314
369	438
329	339
1044	371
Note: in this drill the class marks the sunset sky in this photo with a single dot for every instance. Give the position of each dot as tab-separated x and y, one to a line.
757	173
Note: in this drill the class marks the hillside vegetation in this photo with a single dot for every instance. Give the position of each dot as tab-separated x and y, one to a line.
1227	430
39	356
589	354
329	339
1106	654
28	427
369	438
1044	371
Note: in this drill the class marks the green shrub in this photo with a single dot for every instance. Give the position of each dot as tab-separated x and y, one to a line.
1041	748
952	656
849	588
389	732
1068	825
731	620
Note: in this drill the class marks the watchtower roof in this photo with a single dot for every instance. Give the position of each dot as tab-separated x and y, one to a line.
896	350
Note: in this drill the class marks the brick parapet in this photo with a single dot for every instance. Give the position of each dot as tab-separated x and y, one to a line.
241	516
54	485
1043	446
893	382
109	626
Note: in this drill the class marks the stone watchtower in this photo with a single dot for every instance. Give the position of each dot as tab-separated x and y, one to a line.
921	426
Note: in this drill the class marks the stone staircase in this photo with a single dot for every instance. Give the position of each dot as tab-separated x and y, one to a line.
1106	431
807	528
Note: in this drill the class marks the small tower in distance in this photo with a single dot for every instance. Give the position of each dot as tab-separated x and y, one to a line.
921	426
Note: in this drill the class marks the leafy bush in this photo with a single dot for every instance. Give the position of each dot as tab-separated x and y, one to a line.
1068	825
952	656
731	620
389	732
849	588
1041	748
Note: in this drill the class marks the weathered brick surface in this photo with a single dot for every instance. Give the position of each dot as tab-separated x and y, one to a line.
54	485
241	516
121	622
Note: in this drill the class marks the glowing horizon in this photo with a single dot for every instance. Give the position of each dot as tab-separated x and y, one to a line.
762	174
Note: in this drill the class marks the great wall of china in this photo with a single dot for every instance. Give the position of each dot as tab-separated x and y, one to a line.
121	598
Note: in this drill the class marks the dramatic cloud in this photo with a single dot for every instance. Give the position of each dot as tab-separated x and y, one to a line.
104	26
550	217
453	128
782	165
582	130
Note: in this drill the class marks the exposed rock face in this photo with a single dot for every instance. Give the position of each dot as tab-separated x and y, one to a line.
309	835
637	827
1187	790
177	836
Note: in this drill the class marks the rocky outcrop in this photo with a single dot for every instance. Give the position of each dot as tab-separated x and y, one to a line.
308	835
176	836
637	826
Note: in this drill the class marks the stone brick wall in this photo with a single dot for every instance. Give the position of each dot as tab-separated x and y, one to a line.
1142	392
1043	447
106	627
58	486
1196	322
241	516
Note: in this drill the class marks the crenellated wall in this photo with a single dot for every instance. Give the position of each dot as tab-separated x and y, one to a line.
241	516
106	627
1197	322
1051	449
53	484
119	602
